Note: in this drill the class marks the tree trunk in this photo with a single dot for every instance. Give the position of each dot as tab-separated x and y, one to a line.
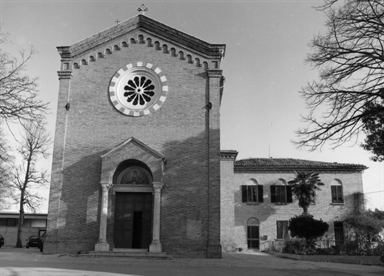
19	244
305	210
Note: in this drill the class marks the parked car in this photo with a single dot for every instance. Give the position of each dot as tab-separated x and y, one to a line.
1	240
33	241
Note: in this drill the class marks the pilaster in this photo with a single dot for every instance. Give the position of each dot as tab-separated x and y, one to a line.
102	244
156	244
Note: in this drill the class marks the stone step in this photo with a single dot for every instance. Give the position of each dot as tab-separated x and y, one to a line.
127	254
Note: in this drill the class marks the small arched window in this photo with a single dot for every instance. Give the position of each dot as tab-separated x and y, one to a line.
252	192
173	52
181	55
189	59
337	191
149	42
157	45
165	49
141	39
197	62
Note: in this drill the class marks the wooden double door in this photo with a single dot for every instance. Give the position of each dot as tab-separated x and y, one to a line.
133	220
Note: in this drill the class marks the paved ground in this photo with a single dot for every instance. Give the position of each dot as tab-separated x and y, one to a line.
30	262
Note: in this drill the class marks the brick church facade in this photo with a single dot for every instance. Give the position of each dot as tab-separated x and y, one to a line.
136	162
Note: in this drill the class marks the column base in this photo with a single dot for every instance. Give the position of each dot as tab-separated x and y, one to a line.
102	246
155	247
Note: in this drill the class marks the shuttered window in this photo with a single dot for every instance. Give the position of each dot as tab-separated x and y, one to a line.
281	194
282	229
339	232
337	194
252	194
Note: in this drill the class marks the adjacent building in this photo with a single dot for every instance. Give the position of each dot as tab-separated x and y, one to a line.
33	225
256	202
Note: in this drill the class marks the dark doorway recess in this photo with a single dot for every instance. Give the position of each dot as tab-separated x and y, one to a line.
133	220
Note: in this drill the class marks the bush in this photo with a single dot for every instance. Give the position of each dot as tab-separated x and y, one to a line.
292	246
307	227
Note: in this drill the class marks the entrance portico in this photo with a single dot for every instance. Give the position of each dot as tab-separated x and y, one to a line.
131	177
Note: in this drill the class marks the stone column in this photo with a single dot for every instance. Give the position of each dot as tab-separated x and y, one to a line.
102	244
156	245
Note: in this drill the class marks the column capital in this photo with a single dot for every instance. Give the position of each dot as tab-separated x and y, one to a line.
64	74
106	185
214	73
157	186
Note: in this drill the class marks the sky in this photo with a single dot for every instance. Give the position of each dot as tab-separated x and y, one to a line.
266	44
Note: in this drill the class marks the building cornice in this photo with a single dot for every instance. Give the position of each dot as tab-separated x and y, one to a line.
228	155
150	26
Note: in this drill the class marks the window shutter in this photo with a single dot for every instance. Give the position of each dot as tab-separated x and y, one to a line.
333	191
289	194
243	193
260	193
341	198
279	230
273	193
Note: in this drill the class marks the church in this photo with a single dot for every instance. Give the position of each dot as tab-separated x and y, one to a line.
137	165
136	160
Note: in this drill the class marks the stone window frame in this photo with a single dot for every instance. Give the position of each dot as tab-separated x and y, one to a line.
252	192
337	196
148	69
282	189
282	229
252	223
338	230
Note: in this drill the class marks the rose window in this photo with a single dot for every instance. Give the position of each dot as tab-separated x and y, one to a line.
138	89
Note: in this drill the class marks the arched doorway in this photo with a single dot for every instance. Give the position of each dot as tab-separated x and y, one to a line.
133	206
253	239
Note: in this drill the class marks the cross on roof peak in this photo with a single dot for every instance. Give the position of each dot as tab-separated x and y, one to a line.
142	9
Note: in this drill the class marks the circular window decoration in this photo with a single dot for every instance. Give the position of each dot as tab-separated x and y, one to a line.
138	89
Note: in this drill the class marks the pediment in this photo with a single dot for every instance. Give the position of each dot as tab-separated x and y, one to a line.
147	26
133	142
131	149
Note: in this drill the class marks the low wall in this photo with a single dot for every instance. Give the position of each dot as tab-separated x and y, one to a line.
364	260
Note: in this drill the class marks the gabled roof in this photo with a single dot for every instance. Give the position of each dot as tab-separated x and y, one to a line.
289	164
149	26
138	143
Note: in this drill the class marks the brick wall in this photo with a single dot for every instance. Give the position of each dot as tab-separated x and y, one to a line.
179	130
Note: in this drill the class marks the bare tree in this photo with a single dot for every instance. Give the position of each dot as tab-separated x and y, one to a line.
18	92
27	178
5	159
350	59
